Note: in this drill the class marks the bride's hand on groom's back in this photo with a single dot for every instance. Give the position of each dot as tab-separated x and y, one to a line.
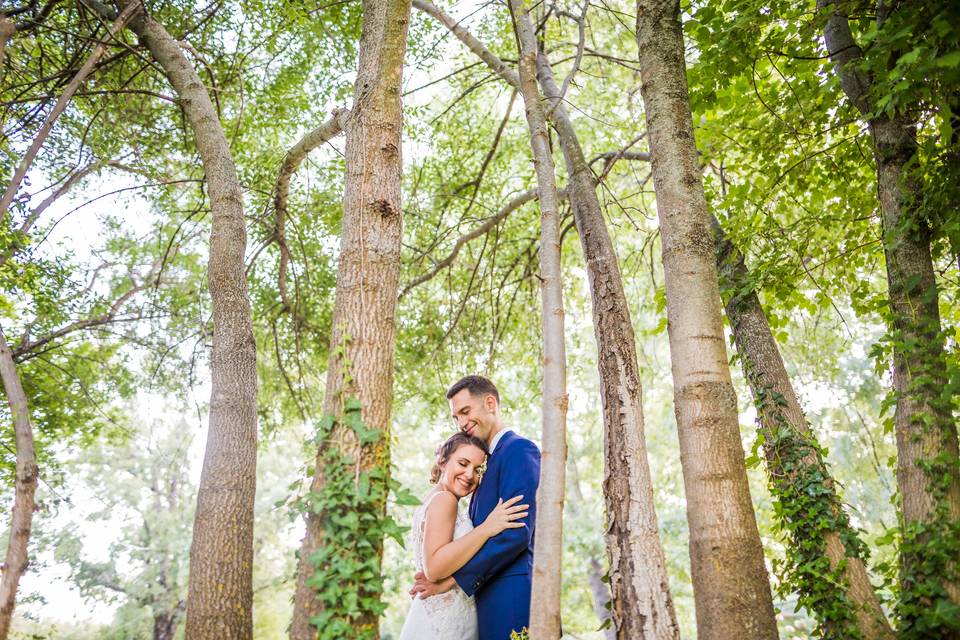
505	516
424	588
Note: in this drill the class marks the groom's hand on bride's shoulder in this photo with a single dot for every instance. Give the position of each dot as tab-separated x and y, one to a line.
424	588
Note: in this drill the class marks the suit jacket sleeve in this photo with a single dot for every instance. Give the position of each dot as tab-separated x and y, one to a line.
520	476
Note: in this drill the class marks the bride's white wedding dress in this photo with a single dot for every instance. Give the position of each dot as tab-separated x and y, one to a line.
445	616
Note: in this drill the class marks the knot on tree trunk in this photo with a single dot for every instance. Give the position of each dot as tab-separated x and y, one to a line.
385	208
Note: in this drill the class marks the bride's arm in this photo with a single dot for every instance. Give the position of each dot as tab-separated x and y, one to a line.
442	555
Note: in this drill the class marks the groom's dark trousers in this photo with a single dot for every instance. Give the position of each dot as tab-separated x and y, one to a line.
499	575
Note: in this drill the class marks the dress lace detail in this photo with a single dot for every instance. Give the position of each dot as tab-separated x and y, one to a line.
445	616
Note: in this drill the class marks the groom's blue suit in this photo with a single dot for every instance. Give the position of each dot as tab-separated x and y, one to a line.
499	575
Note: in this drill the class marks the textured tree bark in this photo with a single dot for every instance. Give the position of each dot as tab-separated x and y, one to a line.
783	425
548	537
730	583
928	472
21	516
642	604
369	270
220	597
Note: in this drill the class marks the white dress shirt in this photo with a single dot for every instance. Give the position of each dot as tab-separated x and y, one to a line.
496	440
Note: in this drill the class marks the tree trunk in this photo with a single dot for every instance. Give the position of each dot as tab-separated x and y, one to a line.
548	537
21	517
819	529
165	624
642	604
730	582
363	328
220	598
928	473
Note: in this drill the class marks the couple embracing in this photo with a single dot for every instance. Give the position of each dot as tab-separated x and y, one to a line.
474	572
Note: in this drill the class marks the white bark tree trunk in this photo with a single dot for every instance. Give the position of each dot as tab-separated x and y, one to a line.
642	604
548	538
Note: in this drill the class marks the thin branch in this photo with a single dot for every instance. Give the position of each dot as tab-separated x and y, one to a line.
21	232
581	43
24	348
104	92
62	102
441	79
489	224
291	162
492	60
36	20
476	182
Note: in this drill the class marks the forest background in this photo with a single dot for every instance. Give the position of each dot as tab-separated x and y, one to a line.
105	247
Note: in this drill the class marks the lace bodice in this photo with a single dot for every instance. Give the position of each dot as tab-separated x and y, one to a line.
449	615
462	527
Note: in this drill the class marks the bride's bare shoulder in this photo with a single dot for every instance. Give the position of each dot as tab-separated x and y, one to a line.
442	503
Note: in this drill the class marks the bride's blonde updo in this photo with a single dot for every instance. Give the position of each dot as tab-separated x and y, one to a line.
448	448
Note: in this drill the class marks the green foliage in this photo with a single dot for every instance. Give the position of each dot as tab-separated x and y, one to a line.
924	608
806	508
789	172
350	505
929	549
793	175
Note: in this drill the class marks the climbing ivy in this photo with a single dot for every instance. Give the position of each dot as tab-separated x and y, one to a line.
351	505
806	509
929	551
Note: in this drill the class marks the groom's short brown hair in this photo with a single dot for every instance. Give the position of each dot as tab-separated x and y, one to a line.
476	385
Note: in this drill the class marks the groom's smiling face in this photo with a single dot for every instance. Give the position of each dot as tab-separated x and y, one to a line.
475	415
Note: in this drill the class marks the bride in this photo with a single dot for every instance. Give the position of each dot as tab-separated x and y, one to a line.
443	540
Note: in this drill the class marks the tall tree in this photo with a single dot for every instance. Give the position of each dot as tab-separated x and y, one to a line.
220	597
16	559
642	604
548	540
928	470
730	582
21	516
359	388
826	558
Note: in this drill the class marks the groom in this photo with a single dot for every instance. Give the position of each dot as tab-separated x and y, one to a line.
499	575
